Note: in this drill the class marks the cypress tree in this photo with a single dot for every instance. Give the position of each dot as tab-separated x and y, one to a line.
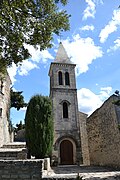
39	126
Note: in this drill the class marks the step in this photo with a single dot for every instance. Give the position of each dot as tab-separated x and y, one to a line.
8	155
12	151
12	154
14	145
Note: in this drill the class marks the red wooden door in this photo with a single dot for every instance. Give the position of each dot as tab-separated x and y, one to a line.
66	152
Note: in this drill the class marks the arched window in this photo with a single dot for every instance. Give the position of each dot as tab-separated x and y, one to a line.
67	80
65	110
60	78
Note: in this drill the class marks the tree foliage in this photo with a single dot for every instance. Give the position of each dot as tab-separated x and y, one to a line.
32	22
19	126
17	99
39	126
117	102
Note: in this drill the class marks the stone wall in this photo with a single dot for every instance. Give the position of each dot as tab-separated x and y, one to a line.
4	109
65	128
104	135
21	169
84	138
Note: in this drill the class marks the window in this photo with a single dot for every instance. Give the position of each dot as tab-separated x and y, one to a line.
65	110
0	112
1	86
60	78
67	80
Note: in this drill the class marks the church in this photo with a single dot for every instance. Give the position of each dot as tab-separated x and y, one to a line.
78	139
67	148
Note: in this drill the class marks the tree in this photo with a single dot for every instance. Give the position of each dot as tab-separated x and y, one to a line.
117	102
17	99
32	22
39	126
19	126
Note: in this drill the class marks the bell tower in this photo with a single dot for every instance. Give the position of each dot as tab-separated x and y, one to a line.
63	92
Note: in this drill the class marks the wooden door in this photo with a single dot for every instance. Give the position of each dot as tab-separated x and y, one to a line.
66	152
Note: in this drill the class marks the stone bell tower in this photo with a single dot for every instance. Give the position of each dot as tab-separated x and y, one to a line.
67	144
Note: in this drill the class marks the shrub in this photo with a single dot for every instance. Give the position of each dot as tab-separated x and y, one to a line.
39	126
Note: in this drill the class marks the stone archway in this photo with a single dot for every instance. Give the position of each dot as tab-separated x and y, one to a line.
66	152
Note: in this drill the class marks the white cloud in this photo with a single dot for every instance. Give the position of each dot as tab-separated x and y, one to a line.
111	27
23	109
37	55
88	102
26	66
116	46
82	52
87	28
90	9
12	72
99	1
105	92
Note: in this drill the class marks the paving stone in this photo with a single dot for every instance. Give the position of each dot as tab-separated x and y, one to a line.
87	172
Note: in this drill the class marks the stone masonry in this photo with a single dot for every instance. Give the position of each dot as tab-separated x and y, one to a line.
5	135
66	129
89	141
84	138
104	134
21	169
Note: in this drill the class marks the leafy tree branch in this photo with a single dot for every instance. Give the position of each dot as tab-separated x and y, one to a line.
17	99
32	22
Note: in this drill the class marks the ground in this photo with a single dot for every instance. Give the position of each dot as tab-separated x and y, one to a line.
87	172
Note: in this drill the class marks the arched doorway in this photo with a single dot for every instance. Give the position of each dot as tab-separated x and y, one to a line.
66	152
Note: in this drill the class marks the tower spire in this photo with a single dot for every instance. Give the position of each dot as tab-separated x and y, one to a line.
61	56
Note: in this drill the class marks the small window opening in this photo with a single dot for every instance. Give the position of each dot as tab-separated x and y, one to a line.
1	86
67	80
60	78
0	112
65	110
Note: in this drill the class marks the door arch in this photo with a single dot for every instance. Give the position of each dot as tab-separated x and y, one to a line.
66	152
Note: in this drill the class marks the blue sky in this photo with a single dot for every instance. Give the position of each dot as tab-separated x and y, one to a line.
93	44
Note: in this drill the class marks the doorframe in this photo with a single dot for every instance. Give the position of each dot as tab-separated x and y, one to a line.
74	149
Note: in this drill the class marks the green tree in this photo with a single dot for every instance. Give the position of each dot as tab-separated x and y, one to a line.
32	22
117	102
17	99
19	126
39	126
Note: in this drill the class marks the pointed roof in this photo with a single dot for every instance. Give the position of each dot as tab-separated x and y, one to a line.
61	56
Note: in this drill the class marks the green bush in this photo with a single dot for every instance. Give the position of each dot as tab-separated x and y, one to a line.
39	126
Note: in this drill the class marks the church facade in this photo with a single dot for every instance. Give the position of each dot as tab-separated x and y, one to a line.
67	136
78	139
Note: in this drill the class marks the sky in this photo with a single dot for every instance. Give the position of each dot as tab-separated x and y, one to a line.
93	44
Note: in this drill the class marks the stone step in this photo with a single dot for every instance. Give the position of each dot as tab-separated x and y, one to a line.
8	155
12	151
12	154
14	145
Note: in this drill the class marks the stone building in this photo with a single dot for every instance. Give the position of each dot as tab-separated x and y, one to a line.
78	139
67	138
84	138
5	82
103	128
